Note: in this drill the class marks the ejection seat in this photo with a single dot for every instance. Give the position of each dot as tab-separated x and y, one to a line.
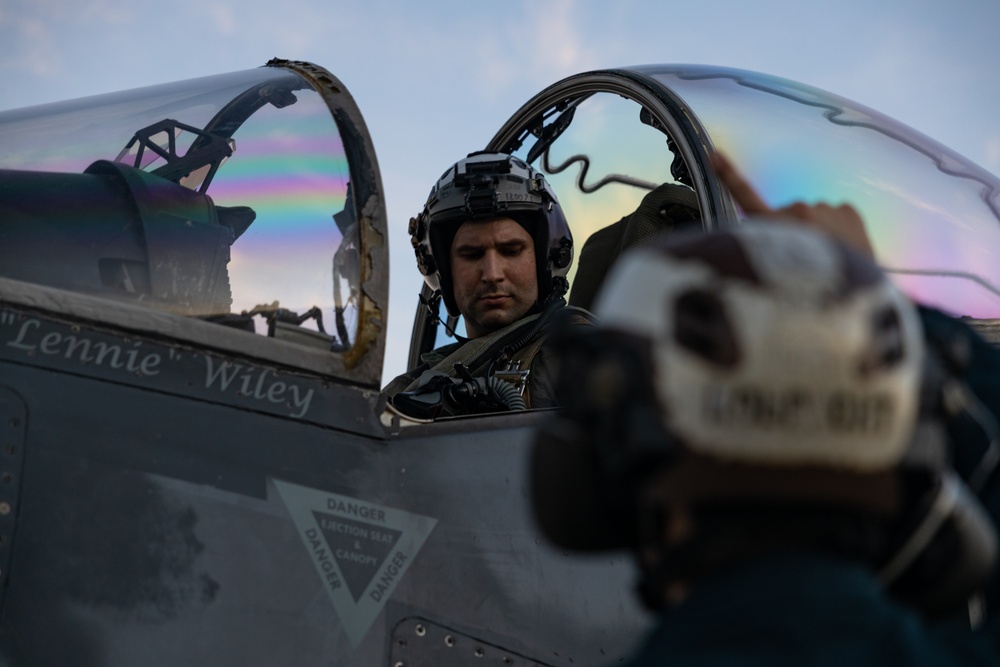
668	209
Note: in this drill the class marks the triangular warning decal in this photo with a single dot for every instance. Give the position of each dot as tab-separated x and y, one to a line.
360	549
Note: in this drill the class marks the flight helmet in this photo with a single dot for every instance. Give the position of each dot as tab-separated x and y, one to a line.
483	186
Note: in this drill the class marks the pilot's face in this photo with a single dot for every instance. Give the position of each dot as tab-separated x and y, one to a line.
493	273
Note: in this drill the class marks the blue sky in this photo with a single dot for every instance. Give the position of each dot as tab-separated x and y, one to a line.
435	80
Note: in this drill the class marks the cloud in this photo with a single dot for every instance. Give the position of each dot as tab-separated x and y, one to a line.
528	45
105	13
223	18
29	44
557	36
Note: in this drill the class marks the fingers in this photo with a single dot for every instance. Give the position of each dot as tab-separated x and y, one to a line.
743	193
841	222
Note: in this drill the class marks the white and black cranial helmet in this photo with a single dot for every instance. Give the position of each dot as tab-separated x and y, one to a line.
731	360
773	346
484	186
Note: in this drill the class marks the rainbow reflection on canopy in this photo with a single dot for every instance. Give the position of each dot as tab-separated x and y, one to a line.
228	198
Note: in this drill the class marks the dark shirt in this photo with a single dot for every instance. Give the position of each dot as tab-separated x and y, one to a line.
804	610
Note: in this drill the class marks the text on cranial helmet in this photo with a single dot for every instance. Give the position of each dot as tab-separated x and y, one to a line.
798	409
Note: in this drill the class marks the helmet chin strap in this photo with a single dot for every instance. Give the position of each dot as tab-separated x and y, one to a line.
559	288
433	305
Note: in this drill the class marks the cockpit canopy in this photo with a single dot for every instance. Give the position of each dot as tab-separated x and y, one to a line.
231	198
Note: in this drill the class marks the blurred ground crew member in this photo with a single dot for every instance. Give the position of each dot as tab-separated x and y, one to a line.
748	419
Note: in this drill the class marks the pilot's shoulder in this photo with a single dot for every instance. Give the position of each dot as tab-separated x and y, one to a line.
571	317
438	355
574	316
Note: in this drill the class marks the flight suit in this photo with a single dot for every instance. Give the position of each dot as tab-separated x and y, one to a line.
534	355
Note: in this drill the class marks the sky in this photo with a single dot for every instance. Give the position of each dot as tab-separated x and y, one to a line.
436	79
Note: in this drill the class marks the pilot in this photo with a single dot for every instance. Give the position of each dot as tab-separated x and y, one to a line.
747	419
494	245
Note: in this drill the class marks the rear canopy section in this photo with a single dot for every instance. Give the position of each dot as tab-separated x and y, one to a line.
933	215
626	151
250	201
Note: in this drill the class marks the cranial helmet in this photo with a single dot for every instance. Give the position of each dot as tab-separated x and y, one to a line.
762	363
484	186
